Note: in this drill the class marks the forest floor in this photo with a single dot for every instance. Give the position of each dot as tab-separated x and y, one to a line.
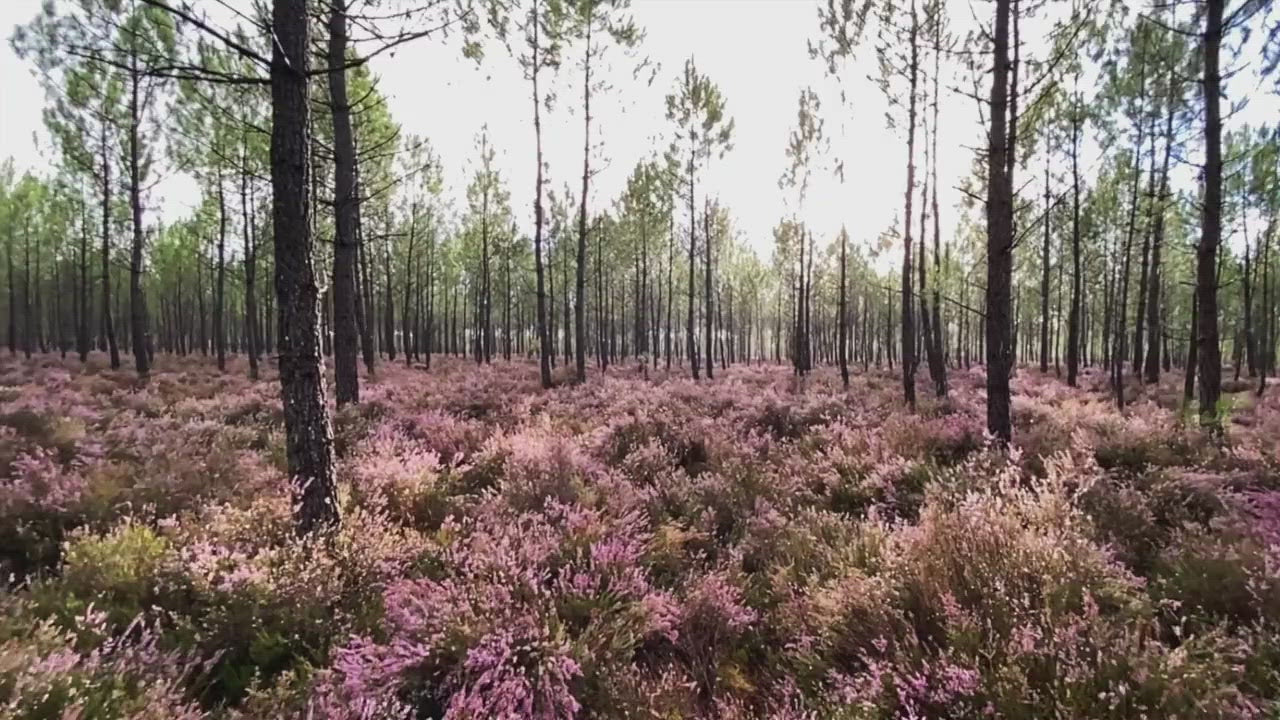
747	547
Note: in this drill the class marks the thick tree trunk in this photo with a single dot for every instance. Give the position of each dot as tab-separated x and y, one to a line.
345	251
999	239
1210	358
308	433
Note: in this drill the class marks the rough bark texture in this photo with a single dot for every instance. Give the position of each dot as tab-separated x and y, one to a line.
308	433
999	239
1210	358
345	332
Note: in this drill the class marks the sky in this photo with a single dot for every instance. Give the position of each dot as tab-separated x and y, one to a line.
756	51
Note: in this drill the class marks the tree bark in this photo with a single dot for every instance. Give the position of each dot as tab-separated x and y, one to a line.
140	335
345	332
999	239
1077	277
908	314
1210	358
579	315
1151	368
308	433
844	312
544	341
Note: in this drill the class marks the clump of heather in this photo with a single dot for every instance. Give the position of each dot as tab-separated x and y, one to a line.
756	547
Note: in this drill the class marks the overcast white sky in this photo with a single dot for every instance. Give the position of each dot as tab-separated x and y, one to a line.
755	50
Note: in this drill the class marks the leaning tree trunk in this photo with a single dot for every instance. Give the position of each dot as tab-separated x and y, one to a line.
308	433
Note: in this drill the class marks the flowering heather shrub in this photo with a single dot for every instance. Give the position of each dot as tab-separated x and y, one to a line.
757	547
45	672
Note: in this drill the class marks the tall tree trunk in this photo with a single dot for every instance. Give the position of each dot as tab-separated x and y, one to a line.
693	220
308	433
908	314
1077	273
82	294
999	238
1210	359
937	357
1144	269
1151	369
844	312
389	301
365	306
140	334
1044	271
671	292
345	332
707	293
219	288
27	330
544	341
1267	352
248	207
1193	347
1120	355
409	320
13	303
108	323
579	316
